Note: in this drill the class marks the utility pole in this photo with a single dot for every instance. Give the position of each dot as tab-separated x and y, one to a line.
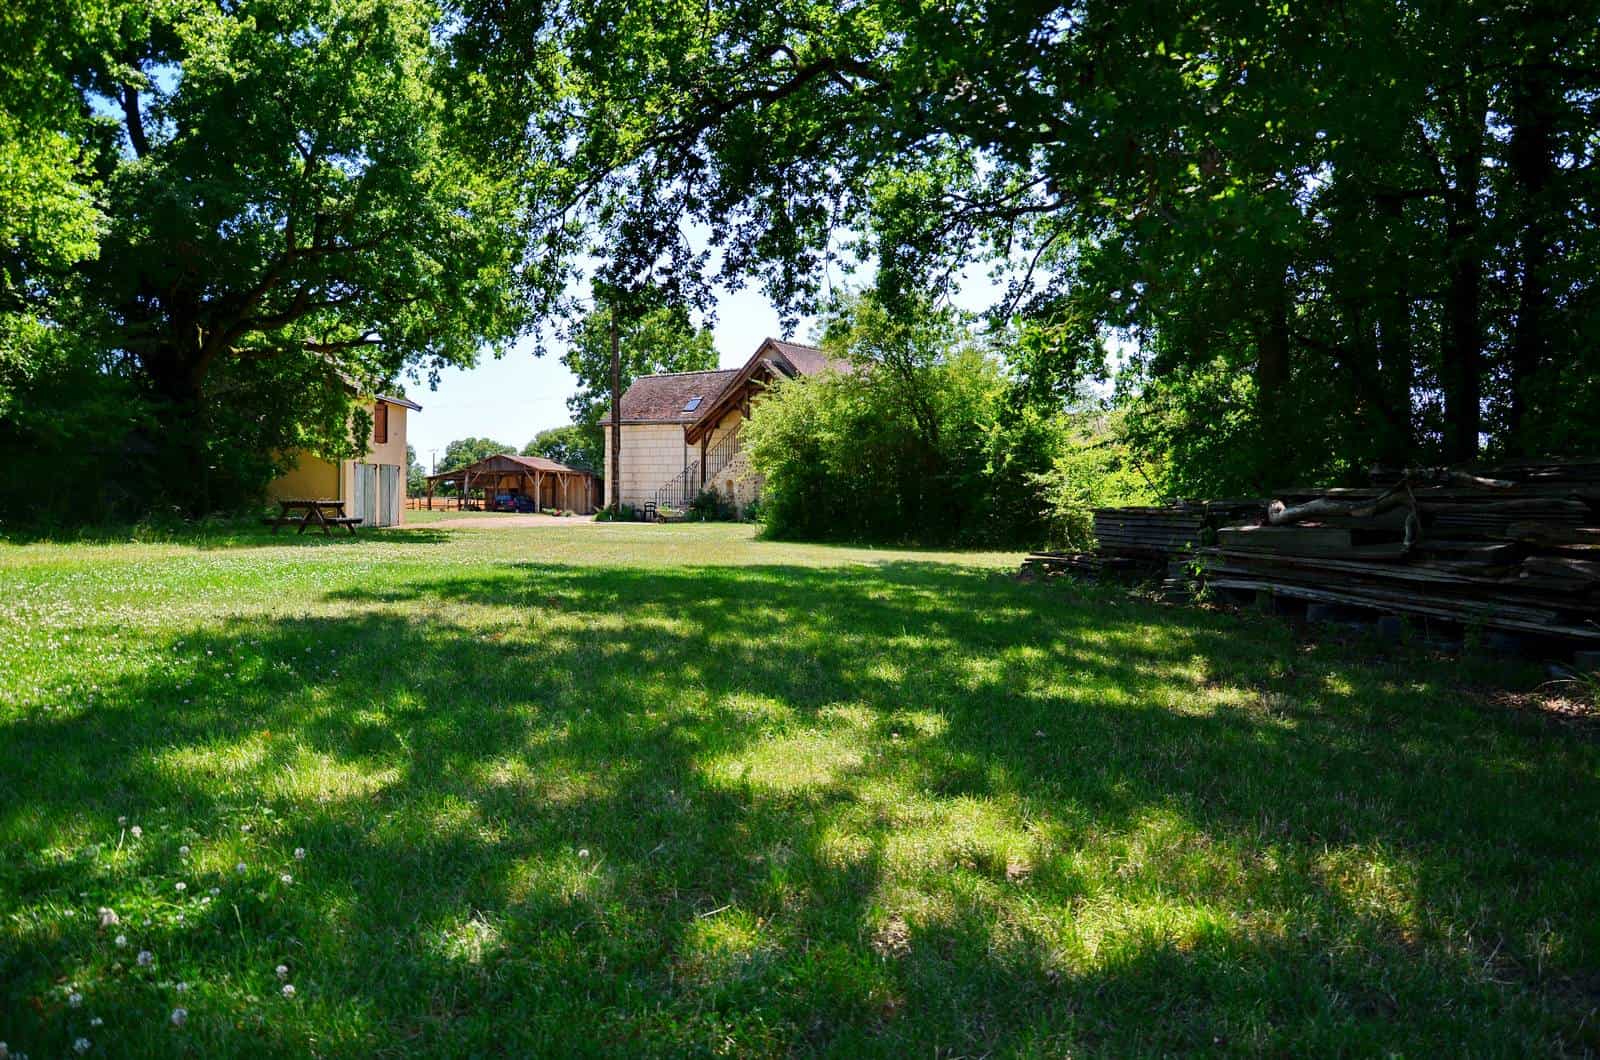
616	415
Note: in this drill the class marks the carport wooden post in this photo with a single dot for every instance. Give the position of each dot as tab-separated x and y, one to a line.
538	491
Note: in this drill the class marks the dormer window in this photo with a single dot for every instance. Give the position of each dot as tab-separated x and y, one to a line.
692	404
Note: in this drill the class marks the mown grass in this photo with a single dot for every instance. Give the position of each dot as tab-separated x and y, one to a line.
670	790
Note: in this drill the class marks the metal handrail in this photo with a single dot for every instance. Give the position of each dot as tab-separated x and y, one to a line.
686	485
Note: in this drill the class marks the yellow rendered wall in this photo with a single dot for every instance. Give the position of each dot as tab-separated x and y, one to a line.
311	478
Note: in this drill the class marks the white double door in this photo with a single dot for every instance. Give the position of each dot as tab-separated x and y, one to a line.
378	494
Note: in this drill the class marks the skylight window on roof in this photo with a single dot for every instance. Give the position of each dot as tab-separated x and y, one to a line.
692	404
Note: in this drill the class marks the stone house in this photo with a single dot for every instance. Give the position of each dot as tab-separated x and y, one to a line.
680	431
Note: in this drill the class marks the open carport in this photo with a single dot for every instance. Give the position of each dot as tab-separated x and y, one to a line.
526	483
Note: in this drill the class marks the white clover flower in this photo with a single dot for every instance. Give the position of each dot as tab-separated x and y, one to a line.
146	958
216	890
283	971
180	887
182	988
5	1051
583	854
180	1016
288	990
206	900
122	940
97	1021
245	829
108	917
75	999
299	853
81	1045
122	822
286	878
136	832
239	868
183	851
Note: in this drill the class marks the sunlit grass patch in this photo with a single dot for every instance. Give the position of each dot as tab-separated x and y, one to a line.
671	790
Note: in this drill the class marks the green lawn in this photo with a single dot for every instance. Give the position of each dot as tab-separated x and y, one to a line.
660	790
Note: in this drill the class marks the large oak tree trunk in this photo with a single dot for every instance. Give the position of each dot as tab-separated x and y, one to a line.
177	372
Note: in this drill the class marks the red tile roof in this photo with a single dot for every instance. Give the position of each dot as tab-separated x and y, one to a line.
500	462
538	463
808	360
661	398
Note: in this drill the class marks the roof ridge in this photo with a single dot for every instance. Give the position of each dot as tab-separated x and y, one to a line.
669	375
791	342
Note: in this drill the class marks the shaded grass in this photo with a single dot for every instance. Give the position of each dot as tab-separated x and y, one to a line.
661	790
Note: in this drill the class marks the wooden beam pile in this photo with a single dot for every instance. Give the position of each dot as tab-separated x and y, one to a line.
1512	546
1050	564
1149	533
1160	534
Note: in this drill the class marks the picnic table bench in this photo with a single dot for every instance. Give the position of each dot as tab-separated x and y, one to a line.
324	513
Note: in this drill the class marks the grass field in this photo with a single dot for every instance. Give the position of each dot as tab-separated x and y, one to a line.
640	790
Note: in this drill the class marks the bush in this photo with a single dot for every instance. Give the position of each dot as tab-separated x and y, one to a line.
623	513
1093	468
922	446
709	506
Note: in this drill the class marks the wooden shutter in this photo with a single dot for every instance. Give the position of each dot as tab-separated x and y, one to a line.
380	423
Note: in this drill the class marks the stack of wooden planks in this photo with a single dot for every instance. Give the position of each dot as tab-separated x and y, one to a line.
1160	534
1049	564
1512	546
1149	533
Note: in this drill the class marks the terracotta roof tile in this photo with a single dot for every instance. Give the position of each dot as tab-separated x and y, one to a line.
661	398
809	360
499	462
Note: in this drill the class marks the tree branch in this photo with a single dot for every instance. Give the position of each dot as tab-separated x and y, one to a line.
130	113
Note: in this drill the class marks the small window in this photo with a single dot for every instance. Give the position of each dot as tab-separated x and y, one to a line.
380	423
692	404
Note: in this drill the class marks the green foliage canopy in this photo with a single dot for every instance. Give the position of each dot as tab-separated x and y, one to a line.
464	451
267	207
1372	232
571	445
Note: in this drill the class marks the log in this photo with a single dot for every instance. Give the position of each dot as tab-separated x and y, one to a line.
1300	540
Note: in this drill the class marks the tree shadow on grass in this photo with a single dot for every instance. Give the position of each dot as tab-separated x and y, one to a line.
891	808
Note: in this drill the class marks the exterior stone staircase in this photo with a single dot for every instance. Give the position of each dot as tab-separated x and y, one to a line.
686	485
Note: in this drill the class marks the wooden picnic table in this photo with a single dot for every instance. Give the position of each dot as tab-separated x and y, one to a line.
318	512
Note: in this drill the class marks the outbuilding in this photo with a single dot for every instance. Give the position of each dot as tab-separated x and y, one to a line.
520	483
